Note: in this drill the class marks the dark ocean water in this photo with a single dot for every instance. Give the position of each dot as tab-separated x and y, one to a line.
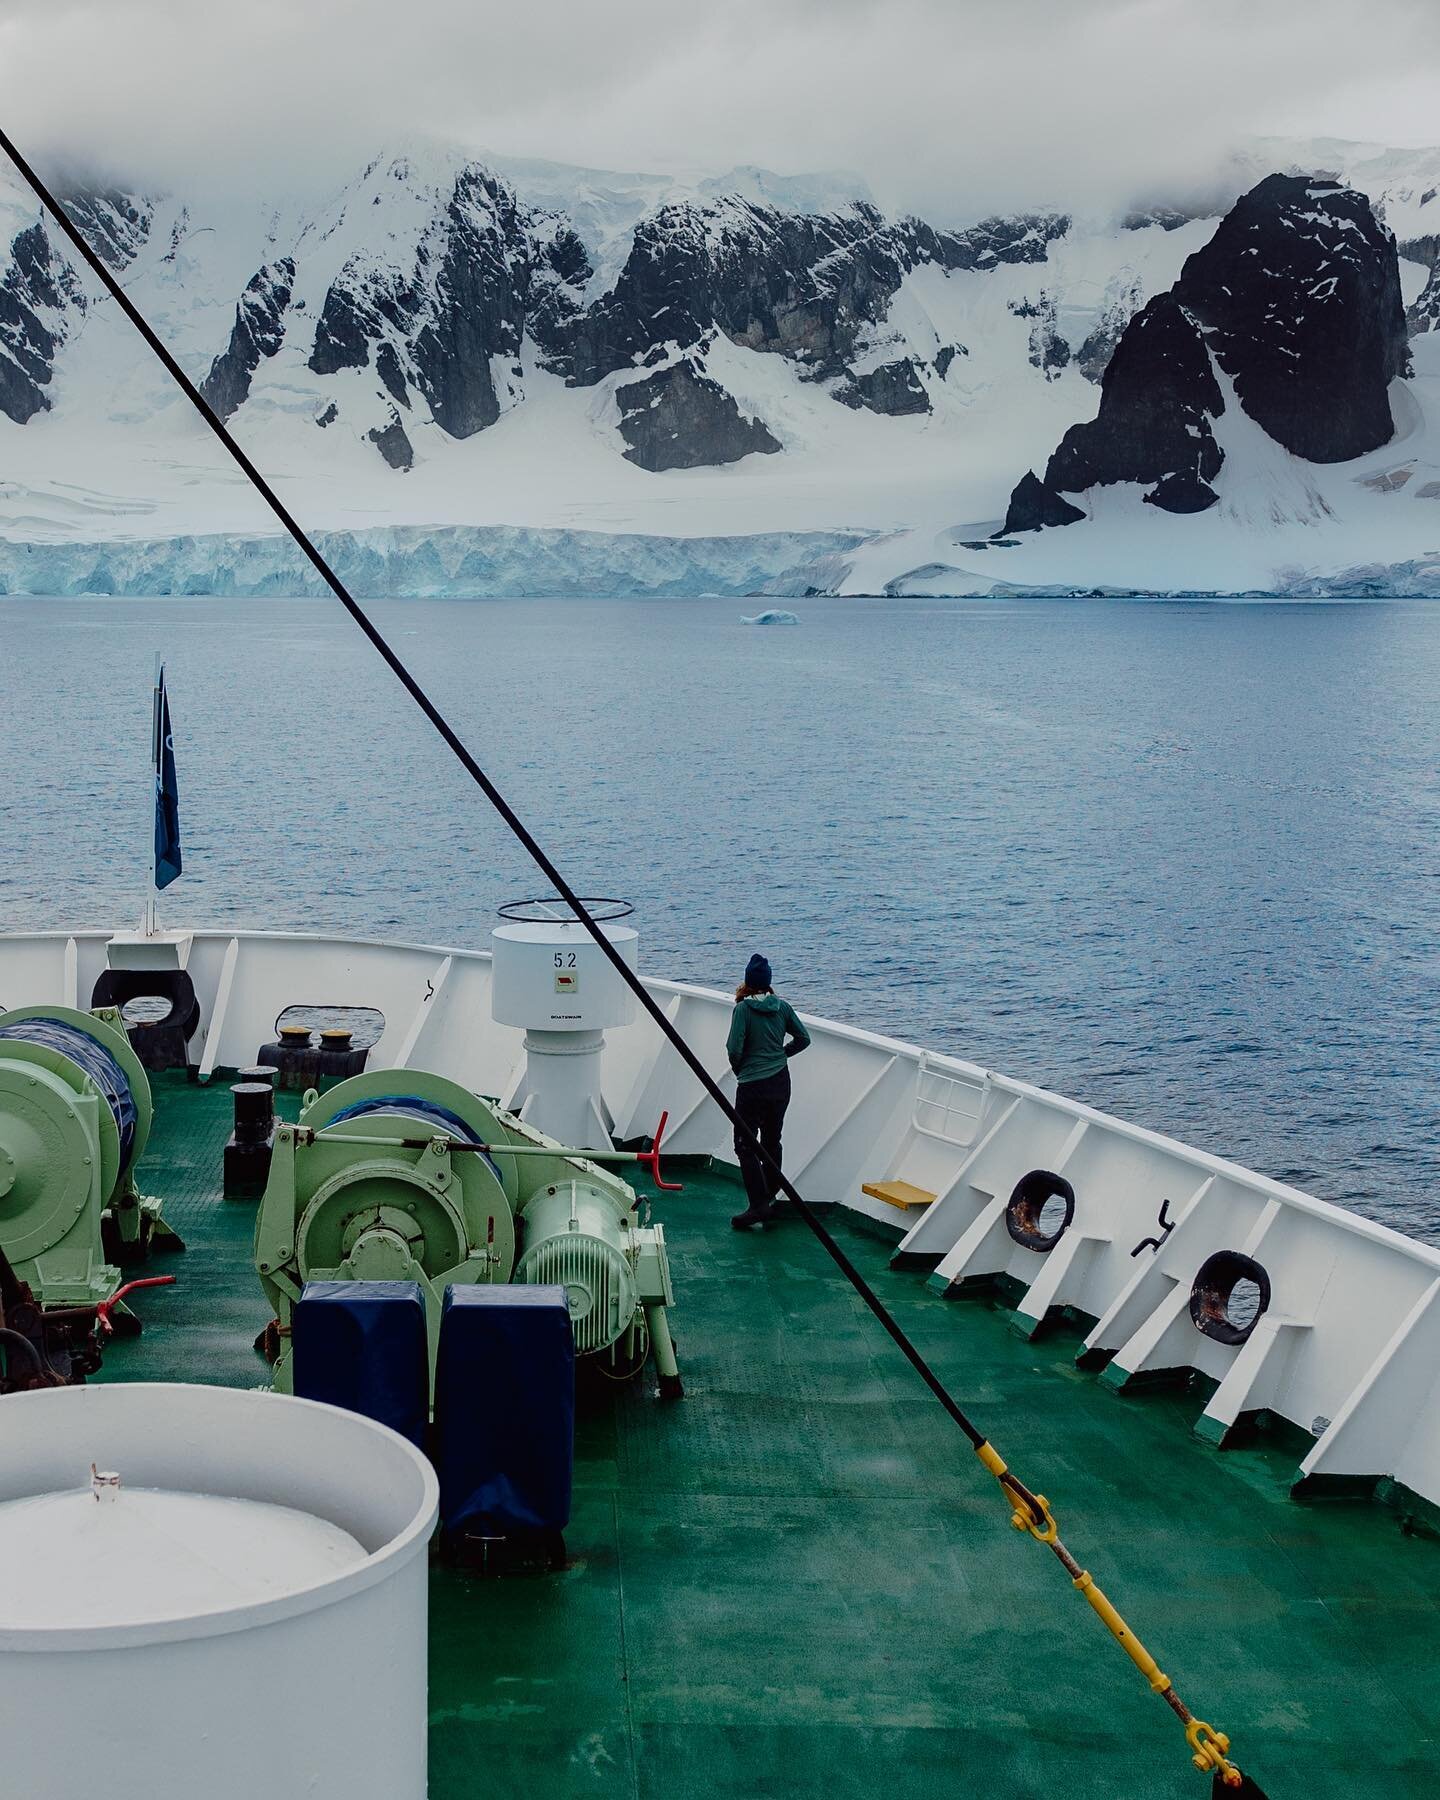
1177	860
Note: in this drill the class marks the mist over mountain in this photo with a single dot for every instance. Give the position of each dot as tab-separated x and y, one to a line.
1226	386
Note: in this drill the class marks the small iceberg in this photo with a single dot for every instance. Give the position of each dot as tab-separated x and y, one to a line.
776	617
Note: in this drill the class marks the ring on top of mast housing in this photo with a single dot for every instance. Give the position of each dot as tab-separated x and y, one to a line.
550	909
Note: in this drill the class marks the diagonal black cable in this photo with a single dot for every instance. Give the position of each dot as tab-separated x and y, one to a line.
485	784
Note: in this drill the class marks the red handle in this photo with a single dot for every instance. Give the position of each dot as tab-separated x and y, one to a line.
650	1159
102	1311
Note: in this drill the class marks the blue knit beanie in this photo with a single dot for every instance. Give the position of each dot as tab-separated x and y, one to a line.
757	972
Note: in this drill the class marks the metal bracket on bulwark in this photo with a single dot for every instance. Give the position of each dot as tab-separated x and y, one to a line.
1166	1225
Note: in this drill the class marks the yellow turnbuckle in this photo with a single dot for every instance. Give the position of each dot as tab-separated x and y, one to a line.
1031	1512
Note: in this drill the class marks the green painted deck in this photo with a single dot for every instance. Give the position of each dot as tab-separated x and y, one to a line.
798	1581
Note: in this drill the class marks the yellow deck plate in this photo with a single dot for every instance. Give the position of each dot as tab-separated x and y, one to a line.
903	1194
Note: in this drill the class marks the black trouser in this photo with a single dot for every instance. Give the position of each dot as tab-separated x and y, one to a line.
761	1106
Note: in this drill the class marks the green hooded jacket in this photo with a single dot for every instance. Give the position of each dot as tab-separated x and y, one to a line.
759	1027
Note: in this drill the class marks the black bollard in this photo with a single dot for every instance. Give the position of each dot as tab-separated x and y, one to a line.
247	1152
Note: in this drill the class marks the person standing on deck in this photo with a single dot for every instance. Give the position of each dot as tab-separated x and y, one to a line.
760	1056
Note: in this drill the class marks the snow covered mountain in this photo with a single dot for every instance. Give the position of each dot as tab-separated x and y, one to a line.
454	364
1292	313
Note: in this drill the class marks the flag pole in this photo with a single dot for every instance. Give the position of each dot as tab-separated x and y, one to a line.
149	925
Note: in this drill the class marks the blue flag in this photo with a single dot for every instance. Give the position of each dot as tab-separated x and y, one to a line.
167	794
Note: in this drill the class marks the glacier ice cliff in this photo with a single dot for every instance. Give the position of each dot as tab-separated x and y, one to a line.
449	562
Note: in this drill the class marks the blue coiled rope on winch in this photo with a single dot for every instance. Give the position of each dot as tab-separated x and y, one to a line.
90	1056
415	1107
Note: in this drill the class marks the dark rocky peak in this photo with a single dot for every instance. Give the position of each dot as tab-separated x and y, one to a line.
1296	302
474	304
392	443
258	332
116	225
678	418
559	274
800	285
484	271
1033	506
40	296
1011	238
807	286
1157	402
895	388
1299	296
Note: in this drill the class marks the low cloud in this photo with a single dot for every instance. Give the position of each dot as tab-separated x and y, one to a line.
949	107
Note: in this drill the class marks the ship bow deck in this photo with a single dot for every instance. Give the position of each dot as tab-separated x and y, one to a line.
798	1581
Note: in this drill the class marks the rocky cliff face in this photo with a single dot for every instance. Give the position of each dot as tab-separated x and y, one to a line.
1299	295
800	286
34	295
1294	305
117	224
1158	400
791	285
42	299
451	322
680	419
258	332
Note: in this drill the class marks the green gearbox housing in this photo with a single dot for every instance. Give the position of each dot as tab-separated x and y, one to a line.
396	1175
75	1113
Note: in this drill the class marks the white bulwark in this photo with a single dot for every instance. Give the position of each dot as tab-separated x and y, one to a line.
1165	1259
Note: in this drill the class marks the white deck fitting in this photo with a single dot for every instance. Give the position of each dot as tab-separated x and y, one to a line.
1348	1351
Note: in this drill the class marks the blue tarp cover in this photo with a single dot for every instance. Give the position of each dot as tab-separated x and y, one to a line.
362	1345
505	1409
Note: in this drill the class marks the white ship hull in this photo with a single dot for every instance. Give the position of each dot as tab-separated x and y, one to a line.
1347	1351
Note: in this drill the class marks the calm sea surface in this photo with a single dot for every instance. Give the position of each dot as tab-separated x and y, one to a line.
1180	861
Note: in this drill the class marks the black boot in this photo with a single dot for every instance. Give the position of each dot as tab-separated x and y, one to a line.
753	1215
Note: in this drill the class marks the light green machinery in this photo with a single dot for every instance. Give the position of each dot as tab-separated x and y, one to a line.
396	1175
75	1112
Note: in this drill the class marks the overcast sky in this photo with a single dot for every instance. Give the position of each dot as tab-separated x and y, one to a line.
946	106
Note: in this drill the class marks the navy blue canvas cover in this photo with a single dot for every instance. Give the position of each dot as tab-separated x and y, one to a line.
362	1345
505	1409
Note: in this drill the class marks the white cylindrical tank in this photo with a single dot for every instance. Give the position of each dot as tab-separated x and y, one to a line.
550	976
243	1612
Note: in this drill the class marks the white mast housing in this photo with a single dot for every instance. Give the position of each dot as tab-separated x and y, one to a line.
552	978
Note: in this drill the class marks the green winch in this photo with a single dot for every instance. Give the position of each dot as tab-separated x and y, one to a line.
397	1175
75	1112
